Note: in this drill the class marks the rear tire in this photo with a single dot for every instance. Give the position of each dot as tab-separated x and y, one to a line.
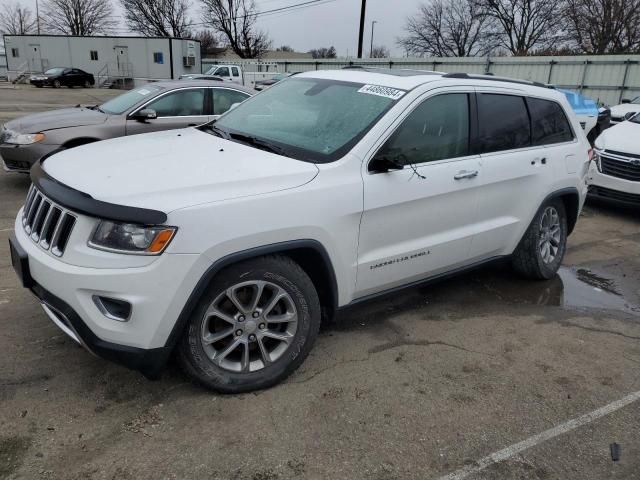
542	248
254	326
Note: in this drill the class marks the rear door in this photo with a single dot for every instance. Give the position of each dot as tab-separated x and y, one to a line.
419	221
176	109
517	172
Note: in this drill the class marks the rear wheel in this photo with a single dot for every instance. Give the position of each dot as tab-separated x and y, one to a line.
543	246
253	327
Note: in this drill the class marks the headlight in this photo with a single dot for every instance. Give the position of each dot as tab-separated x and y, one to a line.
16	138
130	238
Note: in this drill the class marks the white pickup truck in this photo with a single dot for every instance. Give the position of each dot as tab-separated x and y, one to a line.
228	73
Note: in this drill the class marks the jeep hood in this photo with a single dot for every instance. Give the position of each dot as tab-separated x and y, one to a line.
55	119
175	169
621	137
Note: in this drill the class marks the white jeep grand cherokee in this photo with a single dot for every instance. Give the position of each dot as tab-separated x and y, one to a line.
227	243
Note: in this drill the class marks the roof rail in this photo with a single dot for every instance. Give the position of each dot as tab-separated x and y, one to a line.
492	78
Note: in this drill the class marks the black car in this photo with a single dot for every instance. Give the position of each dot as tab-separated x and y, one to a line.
61	76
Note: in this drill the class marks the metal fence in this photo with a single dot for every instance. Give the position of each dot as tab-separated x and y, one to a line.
606	78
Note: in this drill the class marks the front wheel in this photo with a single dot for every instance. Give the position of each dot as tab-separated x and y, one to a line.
543	246
253	327
87	84
56	84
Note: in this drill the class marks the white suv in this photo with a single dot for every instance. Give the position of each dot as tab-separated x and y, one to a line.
228	243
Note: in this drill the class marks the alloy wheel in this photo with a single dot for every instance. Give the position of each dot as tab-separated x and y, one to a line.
550	235
249	326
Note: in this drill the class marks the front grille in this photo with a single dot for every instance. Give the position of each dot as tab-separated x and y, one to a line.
615	195
622	165
47	224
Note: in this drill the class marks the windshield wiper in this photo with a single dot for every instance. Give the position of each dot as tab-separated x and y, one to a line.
258	143
217	130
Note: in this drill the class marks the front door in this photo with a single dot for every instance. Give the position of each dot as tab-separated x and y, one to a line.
122	61
419	221
35	58
177	109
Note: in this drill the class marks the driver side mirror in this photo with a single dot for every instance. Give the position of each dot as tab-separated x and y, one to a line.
145	114
381	164
234	105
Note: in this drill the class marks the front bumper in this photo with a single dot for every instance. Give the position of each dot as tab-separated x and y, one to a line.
20	158
157	293
613	188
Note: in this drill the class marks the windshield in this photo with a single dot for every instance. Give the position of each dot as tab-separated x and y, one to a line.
54	71
124	102
311	119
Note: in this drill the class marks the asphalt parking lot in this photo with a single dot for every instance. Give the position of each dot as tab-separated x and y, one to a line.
439	382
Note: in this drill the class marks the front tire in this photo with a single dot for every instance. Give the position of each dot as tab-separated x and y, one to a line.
56	84
541	250
255	325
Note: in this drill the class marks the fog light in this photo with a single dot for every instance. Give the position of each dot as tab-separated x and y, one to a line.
112	308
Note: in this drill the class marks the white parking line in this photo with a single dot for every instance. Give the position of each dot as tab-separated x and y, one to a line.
509	452
6	230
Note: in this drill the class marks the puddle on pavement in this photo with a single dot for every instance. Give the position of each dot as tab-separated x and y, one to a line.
573	287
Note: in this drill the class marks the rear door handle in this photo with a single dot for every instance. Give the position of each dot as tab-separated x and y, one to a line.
465	174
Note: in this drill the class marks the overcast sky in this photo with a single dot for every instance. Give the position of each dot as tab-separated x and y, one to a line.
333	23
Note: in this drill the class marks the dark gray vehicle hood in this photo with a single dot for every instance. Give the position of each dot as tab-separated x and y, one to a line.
63	118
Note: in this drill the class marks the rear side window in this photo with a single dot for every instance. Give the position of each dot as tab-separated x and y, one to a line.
235	71
504	122
549	123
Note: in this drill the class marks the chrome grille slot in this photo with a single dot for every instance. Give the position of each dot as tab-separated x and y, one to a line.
46	223
62	233
38	220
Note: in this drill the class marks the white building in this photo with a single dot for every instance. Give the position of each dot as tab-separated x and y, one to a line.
127	59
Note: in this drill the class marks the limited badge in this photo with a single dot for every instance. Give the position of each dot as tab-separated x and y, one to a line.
387	92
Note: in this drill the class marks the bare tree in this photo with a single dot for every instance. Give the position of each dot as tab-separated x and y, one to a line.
284	48
235	21
324	52
78	17
380	51
447	28
603	26
157	18
208	42
524	26
16	19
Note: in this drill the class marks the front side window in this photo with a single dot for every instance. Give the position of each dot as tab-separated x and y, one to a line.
311	119
224	98
222	72
549	123
438	129
126	101
503	122
182	103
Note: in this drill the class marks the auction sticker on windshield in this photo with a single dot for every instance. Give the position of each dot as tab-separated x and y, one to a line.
387	92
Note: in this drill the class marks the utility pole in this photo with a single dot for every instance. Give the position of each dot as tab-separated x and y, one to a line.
38	17
361	36
373	24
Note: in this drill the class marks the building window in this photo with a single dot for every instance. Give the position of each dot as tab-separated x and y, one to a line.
15	53
94	54
158	57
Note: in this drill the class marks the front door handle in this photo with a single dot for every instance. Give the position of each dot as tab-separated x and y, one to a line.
465	174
